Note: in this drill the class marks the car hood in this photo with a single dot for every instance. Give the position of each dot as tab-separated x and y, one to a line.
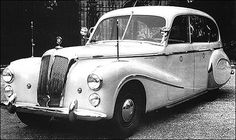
108	50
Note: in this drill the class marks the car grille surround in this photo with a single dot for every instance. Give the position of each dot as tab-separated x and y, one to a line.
43	81
52	80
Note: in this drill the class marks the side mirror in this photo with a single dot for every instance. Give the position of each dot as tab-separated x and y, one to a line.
164	31
91	30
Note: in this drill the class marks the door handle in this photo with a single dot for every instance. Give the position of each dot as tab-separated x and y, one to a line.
181	58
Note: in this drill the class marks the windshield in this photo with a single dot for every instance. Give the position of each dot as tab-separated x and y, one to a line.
141	27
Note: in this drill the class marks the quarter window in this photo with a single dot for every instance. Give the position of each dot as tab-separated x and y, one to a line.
213	30
203	29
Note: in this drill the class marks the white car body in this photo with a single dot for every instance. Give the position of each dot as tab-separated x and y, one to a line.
166	74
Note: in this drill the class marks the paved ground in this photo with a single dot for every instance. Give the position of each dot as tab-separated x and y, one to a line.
210	116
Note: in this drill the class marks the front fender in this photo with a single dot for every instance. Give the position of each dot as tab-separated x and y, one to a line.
118	73
115	74
26	74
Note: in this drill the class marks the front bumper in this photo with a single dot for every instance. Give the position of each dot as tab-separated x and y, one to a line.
75	114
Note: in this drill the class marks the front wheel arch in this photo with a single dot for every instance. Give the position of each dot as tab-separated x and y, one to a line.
132	92
133	84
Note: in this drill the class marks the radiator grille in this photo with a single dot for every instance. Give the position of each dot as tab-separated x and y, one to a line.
57	80
51	81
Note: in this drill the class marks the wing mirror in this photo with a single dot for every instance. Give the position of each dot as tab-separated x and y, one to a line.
164	31
85	32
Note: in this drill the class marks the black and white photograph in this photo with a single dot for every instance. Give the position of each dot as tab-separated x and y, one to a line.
118	69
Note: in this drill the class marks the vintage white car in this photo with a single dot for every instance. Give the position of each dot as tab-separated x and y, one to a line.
136	60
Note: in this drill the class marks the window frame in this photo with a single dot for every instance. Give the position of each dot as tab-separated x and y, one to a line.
206	20
187	31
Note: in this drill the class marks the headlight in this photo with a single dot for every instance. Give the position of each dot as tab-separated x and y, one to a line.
8	91
94	99
94	82
7	75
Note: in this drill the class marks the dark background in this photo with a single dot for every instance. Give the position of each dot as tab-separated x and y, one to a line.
16	17
63	18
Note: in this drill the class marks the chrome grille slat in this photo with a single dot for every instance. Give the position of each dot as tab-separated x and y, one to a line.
57	79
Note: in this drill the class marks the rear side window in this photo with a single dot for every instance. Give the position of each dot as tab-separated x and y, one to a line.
203	29
179	31
213	30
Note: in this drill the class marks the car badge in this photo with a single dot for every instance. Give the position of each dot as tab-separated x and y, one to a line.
59	41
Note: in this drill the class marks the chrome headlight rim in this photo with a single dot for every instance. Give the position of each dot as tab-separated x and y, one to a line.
94	82
94	99
8	91
7	75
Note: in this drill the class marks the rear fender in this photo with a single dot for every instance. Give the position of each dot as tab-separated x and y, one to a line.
218	70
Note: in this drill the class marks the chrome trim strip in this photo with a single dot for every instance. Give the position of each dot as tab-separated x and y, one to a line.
182	100
148	78
144	55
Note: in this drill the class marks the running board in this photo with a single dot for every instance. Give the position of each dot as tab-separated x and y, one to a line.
189	98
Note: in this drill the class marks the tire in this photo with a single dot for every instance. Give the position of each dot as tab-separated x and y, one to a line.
128	102
33	119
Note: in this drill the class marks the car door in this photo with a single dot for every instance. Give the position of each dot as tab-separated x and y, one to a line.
180	60
203	38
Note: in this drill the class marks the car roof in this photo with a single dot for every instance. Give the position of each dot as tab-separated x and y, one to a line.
168	12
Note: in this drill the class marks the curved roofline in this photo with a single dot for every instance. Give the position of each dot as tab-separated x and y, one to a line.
165	11
168	12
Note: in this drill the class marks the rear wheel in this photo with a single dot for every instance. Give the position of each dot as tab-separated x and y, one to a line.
33	119
129	109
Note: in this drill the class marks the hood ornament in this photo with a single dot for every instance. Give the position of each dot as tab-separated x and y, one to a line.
59	41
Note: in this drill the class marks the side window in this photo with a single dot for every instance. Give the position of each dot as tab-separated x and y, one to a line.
179	30
203	29
213	34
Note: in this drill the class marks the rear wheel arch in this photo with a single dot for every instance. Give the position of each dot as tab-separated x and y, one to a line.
218	69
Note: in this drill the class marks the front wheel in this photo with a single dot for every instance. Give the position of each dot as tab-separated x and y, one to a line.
129	109
33	119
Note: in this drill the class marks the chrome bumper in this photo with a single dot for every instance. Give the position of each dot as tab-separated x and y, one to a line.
75	114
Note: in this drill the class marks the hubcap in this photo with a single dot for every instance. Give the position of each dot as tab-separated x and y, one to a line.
128	110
